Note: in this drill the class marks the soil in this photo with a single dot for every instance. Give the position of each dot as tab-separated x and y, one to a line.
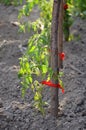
17	113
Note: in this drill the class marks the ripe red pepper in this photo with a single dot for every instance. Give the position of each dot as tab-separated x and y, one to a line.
49	83
62	55
65	6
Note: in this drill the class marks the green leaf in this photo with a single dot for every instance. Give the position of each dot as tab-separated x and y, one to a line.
37	71
21	28
32	49
44	69
30	79
61	74
37	96
61	83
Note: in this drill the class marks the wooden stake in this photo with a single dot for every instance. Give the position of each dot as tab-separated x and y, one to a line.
60	35
54	56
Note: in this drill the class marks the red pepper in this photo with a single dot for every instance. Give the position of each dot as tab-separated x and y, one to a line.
65	6
62	55
49	83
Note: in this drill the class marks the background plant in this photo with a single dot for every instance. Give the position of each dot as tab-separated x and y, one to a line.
11	2
77	7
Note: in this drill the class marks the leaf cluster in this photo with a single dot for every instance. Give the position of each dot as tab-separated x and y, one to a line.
35	60
78	8
11	2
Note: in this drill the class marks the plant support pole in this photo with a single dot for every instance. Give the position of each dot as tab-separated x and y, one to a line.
60	35
54	56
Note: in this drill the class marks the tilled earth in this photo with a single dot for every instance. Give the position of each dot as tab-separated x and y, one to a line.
17	113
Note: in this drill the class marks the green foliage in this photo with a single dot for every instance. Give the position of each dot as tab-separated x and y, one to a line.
35	60
82	8
11	2
78	7
75	8
66	24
